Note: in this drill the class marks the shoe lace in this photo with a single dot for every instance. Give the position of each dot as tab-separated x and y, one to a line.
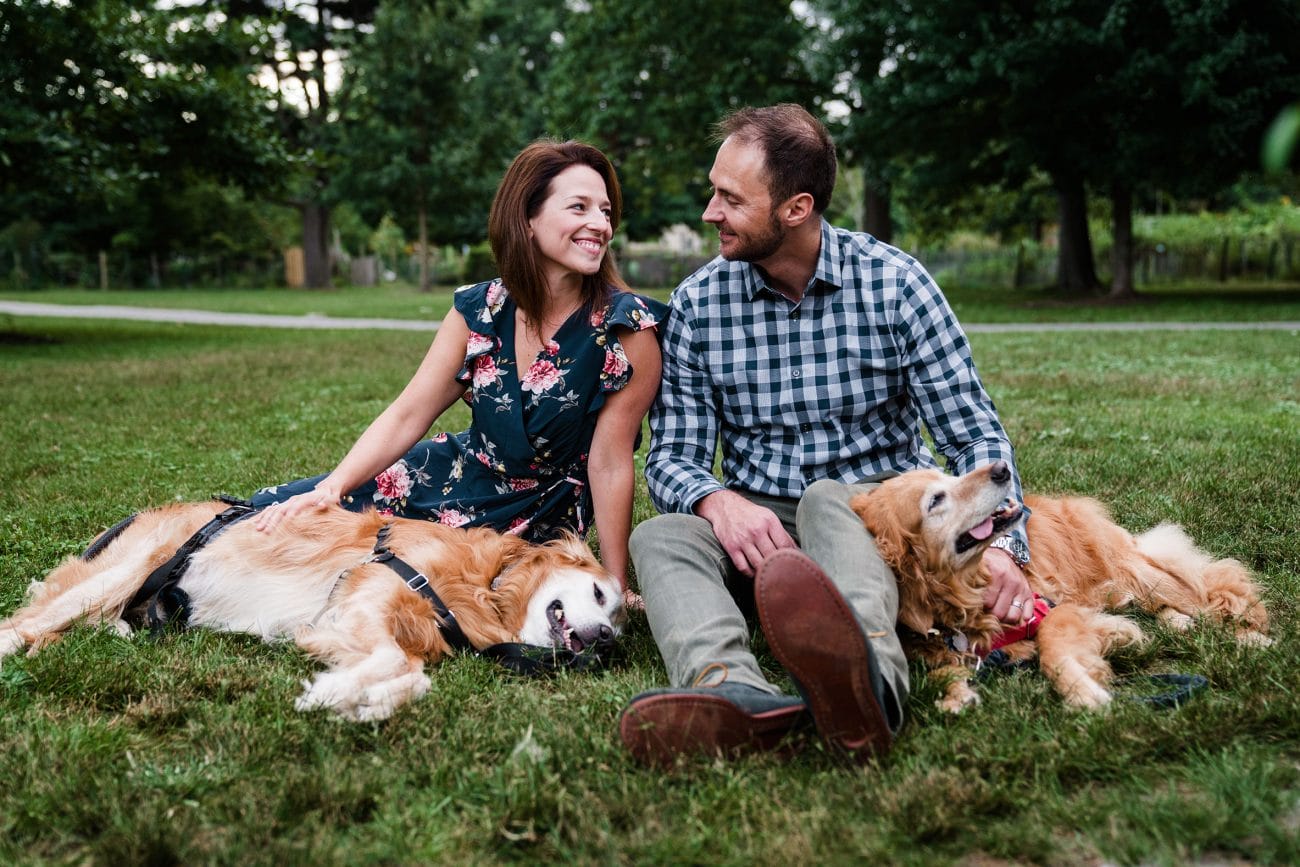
711	669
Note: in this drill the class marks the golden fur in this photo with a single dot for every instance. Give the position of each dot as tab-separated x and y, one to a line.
312	579
1081	560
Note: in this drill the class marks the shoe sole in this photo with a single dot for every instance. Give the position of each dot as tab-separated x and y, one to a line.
812	632
659	729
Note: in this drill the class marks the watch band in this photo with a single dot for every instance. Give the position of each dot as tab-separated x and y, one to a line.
1018	550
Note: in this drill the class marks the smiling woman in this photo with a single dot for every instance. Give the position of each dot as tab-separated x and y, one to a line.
557	359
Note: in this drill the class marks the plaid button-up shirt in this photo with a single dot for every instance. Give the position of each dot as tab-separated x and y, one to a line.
835	386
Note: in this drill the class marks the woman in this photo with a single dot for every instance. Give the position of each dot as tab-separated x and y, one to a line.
558	361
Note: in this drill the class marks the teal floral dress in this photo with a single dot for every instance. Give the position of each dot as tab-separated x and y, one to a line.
522	465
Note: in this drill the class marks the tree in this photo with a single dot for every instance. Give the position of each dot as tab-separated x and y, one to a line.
297	42
644	81
435	103
111	109
1112	95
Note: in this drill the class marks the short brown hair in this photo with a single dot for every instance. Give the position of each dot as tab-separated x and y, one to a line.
519	198
797	150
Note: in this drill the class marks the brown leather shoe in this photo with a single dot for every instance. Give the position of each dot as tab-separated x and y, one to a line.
660	725
812	631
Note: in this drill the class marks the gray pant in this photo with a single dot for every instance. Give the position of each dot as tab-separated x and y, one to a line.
694	595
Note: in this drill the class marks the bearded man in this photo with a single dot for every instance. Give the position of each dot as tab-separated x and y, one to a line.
815	355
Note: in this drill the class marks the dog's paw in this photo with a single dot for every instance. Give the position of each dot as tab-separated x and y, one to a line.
327	690
959	697
1086	694
382	700
10	642
1176	619
1251	638
633	601
1119	631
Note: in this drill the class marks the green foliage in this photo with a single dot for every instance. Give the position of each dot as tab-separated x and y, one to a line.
124	124
1280	141
1099	94
645	82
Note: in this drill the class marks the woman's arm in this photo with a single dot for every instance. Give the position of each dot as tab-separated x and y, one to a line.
609	466
430	392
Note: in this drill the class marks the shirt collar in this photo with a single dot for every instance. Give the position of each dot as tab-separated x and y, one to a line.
827	274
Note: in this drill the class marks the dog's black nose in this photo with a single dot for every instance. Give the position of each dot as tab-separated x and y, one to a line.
1000	473
605	635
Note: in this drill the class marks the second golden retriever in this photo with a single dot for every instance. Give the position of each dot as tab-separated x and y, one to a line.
318	579
933	530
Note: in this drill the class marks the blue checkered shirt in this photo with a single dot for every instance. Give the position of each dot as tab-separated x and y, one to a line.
835	386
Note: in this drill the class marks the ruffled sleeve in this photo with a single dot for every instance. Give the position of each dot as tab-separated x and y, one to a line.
625	310
479	304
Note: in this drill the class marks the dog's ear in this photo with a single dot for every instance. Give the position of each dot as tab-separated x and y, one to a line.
880	513
915	608
881	518
572	544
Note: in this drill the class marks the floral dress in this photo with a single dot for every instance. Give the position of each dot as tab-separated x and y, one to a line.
522	465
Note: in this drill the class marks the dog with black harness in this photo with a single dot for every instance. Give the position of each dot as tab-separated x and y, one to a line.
371	596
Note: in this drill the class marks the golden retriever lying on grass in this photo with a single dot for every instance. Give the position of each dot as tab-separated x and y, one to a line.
933	530
314	578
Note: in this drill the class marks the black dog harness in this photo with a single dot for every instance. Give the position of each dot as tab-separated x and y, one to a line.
168	605
419	582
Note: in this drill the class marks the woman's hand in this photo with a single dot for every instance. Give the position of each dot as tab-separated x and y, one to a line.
318	499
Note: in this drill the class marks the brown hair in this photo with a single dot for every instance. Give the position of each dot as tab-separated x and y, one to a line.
519	198
797	150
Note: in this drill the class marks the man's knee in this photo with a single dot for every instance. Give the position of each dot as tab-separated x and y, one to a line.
654	536
824	497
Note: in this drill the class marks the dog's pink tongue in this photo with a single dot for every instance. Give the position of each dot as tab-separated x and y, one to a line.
983	531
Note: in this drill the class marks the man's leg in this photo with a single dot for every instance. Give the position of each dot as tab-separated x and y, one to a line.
686	580
832	535
828	611
719	702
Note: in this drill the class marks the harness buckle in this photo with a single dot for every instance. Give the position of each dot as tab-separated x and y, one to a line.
417	582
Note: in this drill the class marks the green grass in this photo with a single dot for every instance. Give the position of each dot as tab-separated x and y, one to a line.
188	750
1192	302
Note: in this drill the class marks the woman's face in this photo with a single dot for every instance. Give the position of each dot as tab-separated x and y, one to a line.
572	229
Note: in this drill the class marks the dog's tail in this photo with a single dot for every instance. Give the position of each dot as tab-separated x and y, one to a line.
1223	588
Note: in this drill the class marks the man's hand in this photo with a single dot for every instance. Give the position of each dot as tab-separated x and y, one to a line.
748	532
1008	597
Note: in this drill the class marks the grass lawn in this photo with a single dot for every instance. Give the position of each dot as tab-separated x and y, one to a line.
187	749
1193	302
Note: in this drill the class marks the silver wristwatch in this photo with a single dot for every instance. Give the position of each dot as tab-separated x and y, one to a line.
1014	546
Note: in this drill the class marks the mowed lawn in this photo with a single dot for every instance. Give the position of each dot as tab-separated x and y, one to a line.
187	749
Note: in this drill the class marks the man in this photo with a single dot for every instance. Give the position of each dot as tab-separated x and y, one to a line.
816	354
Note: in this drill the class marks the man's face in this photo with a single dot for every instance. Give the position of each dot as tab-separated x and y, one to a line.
741	207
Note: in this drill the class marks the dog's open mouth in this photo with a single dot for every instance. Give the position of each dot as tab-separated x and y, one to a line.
1003	516
562	634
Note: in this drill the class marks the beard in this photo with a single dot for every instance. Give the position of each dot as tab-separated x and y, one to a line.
756	248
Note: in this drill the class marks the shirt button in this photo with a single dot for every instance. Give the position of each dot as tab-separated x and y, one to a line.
796	374
805	427
794	315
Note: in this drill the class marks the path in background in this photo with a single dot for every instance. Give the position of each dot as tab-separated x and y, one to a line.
316	320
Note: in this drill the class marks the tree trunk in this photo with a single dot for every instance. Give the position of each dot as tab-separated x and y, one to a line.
876	219
1121	281
103	270
1076	272
316	245
425	284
